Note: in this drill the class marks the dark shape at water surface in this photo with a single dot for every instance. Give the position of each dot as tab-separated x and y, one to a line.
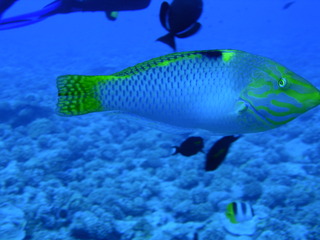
110	7
287	5
190	146
218	152
180	20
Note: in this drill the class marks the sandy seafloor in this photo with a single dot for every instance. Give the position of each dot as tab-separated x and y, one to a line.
101	177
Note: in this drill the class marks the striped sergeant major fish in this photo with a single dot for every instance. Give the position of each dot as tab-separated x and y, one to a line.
226	92
238	212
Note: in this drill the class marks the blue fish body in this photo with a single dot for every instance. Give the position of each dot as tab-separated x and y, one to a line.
224	91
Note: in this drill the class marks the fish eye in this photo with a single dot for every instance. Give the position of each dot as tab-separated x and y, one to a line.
282	82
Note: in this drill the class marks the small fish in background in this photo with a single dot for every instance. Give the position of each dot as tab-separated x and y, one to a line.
110	7
238	212
196	236
180	20
287	5
218	152
190	146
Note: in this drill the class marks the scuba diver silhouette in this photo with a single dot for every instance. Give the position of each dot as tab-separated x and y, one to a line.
110	7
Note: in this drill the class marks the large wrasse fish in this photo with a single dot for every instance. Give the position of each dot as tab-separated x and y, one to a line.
224	91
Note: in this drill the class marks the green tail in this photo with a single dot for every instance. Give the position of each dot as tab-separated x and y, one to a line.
79	94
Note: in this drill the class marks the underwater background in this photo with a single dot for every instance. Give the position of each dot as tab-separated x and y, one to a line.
101	177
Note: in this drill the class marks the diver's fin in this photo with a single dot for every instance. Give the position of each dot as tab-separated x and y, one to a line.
112	15
79	94
194	28
169	40
30	18
164	14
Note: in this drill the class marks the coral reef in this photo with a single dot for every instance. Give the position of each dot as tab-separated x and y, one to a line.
12	223
103	176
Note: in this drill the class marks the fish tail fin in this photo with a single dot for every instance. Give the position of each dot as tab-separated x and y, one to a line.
169	40
79	94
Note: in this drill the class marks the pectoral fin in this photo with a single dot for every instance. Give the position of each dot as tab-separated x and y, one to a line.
241	107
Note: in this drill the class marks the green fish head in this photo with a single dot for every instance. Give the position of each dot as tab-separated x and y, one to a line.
276	95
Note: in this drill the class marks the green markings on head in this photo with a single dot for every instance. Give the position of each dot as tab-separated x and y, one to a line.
79	94
276	114
279	95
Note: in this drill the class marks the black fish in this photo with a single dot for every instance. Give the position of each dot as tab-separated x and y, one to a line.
180	19
190	146
110	7
218	152
287	5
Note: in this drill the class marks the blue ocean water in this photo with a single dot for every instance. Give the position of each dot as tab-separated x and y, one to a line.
100	177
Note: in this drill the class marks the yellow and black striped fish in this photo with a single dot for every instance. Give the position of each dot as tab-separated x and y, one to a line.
238	212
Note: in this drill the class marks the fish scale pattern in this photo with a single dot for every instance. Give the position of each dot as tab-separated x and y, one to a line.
183	91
